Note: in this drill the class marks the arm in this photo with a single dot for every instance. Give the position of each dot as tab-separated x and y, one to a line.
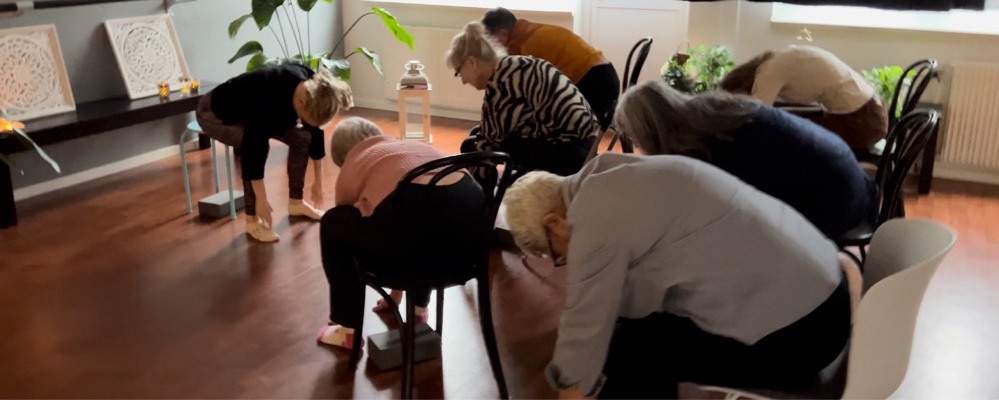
768	84
347	190
255	148
595	284
500	108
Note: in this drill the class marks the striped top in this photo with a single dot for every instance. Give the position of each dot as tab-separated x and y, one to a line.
372	170
529	98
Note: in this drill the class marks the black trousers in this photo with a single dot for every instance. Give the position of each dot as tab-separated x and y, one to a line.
648	357
601	88
385	242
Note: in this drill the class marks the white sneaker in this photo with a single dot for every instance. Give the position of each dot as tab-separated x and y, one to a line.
303	209
257	230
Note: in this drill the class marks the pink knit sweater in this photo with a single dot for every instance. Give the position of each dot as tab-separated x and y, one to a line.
372	170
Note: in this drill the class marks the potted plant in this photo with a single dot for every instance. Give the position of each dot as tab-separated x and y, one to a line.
296	44
15	128
701	72
885	80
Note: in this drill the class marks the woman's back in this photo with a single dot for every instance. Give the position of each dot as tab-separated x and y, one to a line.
801	164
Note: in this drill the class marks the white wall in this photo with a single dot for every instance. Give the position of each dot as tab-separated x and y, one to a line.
93	72
365	82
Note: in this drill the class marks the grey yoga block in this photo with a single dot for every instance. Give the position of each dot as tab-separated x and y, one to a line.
217	205
385	349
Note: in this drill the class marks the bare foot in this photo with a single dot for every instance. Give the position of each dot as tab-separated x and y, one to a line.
382	305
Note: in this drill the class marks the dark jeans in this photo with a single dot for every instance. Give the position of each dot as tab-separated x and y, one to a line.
442	235
565	158
601	88
648	357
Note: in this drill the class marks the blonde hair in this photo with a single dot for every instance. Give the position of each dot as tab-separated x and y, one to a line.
347	134
326	95
662	120
527	202
473	42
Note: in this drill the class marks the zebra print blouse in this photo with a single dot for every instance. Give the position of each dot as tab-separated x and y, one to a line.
528	97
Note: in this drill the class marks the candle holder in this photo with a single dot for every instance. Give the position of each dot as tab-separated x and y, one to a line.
184	86
164	90
195	86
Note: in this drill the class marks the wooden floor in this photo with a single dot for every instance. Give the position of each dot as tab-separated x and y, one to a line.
110	290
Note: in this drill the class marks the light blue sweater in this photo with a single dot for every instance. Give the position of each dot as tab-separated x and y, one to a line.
672	234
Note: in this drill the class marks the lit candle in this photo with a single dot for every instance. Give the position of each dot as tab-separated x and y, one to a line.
164	90
194	86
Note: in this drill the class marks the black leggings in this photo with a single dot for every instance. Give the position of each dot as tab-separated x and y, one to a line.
601	88
648	357
444	236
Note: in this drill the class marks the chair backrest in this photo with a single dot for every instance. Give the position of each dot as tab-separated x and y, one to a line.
903	145
631	72
923	71
485	167
904	255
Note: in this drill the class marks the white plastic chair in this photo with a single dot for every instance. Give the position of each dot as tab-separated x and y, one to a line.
904	255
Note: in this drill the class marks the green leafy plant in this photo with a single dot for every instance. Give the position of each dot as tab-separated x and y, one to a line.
10	127
885	80
701	72
298	49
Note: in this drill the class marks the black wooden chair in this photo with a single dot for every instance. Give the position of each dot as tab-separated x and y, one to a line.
906	141
494	184
923	71
640	52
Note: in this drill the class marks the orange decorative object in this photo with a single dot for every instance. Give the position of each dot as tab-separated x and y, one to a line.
9	126
194	86
164	90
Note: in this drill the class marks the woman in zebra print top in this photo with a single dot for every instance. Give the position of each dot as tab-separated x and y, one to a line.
531	110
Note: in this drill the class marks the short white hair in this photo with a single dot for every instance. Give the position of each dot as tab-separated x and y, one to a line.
527	202
347	134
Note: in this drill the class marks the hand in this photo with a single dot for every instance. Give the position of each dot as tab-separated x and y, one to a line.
264	212
571	393
318	196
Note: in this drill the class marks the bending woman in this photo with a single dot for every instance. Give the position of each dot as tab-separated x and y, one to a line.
783	155
288	103
530	111
676	263
806	75
365	225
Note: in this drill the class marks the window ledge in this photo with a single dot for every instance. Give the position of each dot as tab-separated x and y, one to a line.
956	21
560	6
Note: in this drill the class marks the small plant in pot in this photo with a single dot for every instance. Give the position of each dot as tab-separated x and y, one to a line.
701	71
296	44
885	80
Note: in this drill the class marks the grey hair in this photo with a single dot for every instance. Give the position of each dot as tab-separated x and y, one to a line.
527	201
473	42
347	134
662	120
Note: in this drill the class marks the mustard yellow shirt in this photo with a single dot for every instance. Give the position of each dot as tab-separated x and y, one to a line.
557	45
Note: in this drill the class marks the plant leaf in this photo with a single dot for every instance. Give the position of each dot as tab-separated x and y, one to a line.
374	58
339	67
393	26
249	48
263	10
235	25
24	138
306	5
256	62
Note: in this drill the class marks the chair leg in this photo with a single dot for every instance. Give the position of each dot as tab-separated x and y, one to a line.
215	167
863	255
489	335
183	166
440	313
228	174
408	345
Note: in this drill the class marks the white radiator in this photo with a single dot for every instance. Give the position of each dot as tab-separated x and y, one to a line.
971	131
431	45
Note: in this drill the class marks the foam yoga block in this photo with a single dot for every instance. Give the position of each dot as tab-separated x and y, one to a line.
217	205
385	349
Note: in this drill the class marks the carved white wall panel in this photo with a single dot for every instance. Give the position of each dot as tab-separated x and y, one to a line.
33	79
148	53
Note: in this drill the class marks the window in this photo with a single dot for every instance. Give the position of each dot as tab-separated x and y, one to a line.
513	5
957	21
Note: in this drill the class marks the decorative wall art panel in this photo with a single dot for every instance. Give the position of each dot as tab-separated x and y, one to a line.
148	53
33	79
